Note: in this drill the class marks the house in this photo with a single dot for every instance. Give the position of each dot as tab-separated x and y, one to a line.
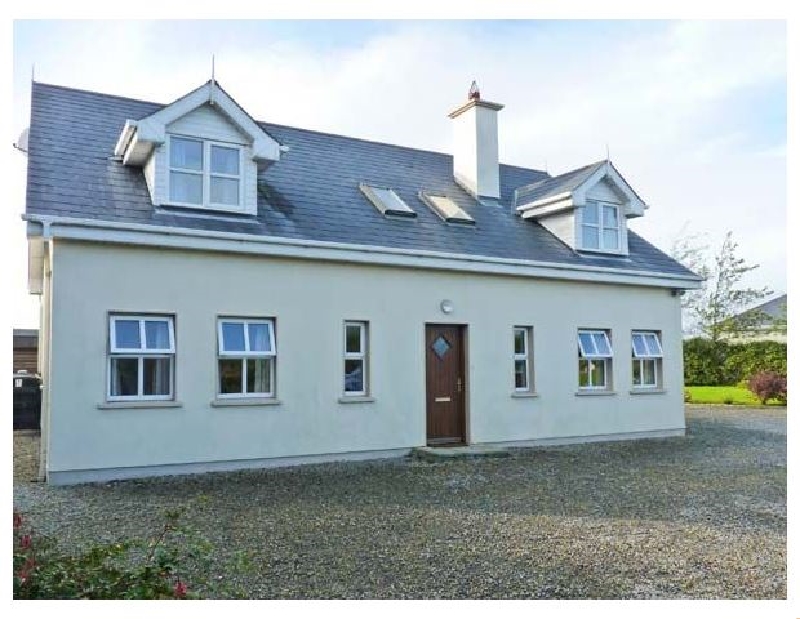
765	322
222	293
25	343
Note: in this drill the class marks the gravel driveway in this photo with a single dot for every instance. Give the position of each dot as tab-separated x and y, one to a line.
696	517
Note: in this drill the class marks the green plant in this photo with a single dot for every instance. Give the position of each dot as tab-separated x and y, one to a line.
131	569
768	385
727	400
708	363
687	397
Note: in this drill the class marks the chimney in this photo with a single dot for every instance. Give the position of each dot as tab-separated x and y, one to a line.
475	161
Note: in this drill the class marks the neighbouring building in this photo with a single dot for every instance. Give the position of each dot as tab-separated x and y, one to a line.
221	293
26	347
765	322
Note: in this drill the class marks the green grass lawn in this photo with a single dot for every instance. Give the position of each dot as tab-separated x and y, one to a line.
724	395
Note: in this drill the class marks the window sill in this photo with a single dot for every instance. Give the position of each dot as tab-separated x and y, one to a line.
648	391
225	402
139	404
356	399
594	392
524	394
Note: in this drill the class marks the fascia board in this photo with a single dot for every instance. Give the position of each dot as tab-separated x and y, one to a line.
185	238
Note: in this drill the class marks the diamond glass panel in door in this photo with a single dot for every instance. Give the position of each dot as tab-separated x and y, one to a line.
233	337
127	335
124	377
440	347
156	335
156	379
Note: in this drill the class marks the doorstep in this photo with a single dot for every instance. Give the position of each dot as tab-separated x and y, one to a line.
459	452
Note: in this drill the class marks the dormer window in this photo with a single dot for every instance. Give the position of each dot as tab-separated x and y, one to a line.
204	174
601	226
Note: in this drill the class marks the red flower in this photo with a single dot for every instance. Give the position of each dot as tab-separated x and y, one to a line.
17	520
180	590
25	541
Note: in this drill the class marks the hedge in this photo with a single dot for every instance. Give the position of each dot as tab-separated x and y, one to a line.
719	364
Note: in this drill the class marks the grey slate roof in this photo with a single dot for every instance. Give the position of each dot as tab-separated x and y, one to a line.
555	185
774	308
312	193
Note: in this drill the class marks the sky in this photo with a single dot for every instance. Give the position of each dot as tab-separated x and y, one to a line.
693	114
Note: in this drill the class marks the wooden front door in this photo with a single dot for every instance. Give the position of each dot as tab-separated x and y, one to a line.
446	384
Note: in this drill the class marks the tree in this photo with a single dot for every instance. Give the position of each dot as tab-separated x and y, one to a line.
691	250
716	310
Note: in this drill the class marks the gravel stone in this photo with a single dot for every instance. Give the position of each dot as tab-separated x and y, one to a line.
697	517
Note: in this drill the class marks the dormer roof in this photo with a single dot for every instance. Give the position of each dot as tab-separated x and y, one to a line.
139	137
569	190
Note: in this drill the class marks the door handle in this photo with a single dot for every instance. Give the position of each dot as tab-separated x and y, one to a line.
458	384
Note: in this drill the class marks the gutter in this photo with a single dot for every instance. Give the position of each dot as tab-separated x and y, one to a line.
188	238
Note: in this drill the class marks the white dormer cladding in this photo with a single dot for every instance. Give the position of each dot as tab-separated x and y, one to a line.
588	214
203	151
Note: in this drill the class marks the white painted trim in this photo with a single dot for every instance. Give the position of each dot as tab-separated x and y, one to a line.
63	478
362	356
81	229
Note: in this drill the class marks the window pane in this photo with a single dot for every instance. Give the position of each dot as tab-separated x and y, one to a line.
521	374
601	344
637	372
230	375
583	373
610	217
591	237
156	334
352	337
259	376
519	341
186	154
649	371
590	215
186	187
224	160
232	337
258	336
610	239
224	190
124	377
127	334
586	343
391	201
156	376
653	345
639	349
354	375
598	371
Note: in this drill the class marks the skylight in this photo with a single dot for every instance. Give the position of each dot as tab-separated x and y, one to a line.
445	208
386	201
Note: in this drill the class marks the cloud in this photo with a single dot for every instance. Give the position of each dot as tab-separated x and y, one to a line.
693	112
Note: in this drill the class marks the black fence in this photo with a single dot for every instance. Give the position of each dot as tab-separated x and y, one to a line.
27	402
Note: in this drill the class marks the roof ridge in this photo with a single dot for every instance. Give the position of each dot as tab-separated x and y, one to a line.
280	125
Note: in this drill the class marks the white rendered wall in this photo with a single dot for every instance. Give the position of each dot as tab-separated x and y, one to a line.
475	151
310	301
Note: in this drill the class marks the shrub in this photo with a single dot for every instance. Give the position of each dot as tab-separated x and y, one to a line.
719	364
687	397
768	385
125	570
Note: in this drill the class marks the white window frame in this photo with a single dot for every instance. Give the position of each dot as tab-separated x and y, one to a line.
238	355
141	353
601	227
207	174
361	355
652	353
594	356
525	357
